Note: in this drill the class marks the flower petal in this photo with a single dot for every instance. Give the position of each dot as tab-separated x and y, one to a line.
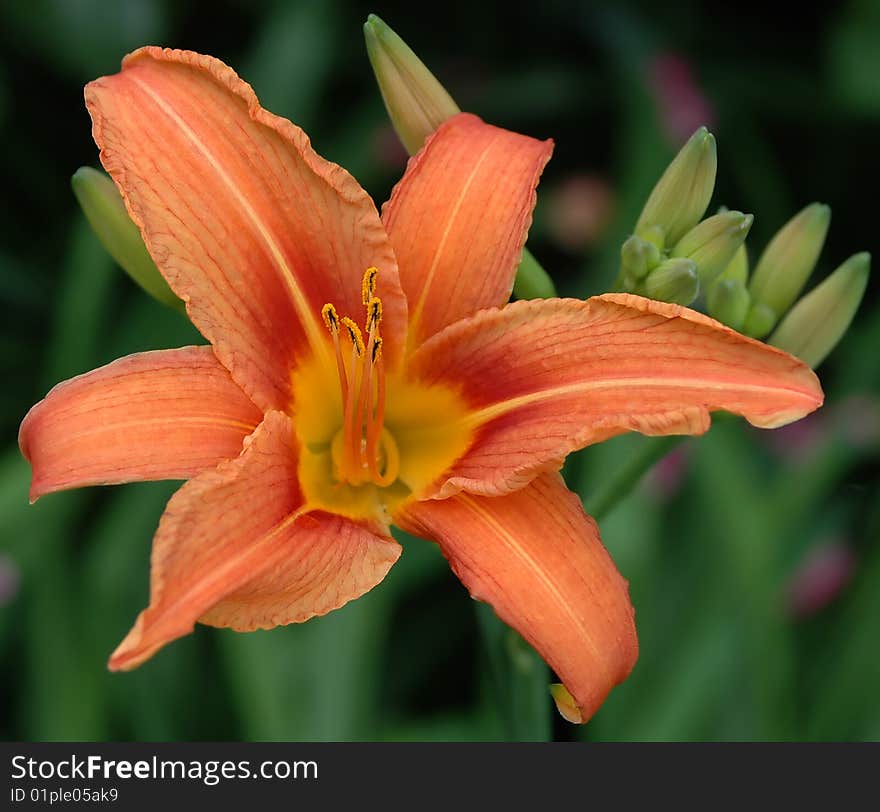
536	557
250	227
168	414
458	220
235	549
547	377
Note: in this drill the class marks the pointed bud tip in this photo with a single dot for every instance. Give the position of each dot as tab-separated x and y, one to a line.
817	323
702	136
416	102
705	145
86	174
821	211
88	182
375	28
681	195
861	261
816	216
788	260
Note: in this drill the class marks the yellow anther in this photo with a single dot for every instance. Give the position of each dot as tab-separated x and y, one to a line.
374	313
354	333
377	348
331	320
368	286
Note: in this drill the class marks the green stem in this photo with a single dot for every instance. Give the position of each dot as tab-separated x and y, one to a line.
519	679
624	479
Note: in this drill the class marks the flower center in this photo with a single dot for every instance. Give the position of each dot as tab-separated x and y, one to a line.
368	443
386	461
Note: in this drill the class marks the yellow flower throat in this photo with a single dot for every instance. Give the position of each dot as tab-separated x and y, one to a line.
370	442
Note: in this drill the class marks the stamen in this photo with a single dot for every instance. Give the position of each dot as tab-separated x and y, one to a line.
328	313
368	285
374	313
363	415
354	333
377	349
363	439
331	320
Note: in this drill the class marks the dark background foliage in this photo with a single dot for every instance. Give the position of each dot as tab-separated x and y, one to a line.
753	557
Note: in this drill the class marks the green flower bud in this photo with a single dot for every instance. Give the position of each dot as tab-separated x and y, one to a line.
637	258
682	194
713	243
759	320
106	214
738	268
655	236
674	281
728	301
817	322
417	103
789	259
532	281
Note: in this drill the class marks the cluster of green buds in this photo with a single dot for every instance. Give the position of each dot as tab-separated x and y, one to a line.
673	254
810	327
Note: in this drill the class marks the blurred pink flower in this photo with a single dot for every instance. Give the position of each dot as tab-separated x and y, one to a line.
681	103
668	475
854	420
579	210
796	443
819	578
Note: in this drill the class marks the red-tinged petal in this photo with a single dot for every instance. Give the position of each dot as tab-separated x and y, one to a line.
544	378
168	414
250	227
234	548
536	557
458	220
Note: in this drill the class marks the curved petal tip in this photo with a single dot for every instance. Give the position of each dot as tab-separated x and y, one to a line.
565	704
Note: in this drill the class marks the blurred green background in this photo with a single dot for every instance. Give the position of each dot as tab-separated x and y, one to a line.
753	556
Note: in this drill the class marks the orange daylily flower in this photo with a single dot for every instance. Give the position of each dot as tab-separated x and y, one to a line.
336	399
